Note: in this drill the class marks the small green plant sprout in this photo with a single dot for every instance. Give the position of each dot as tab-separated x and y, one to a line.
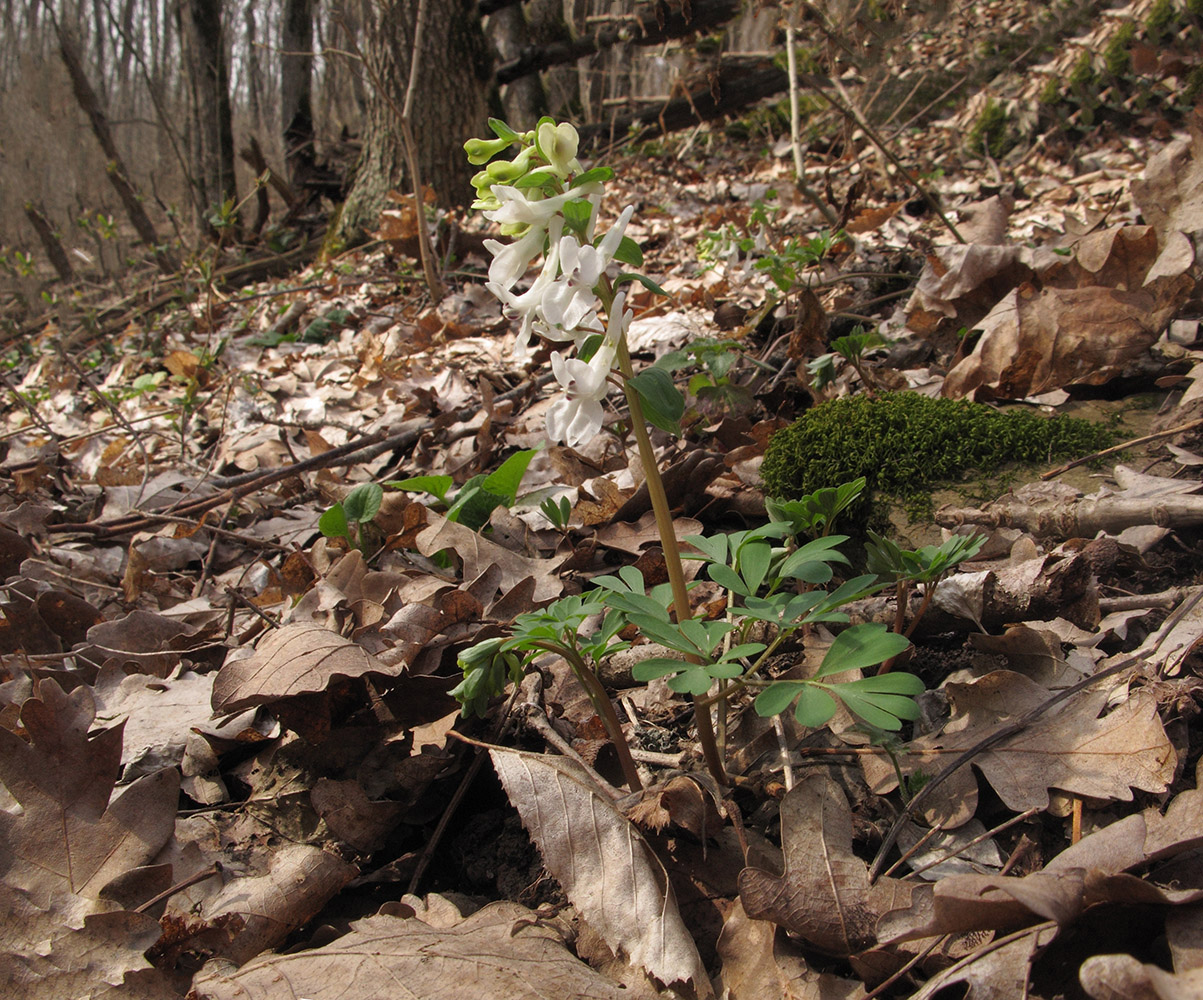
479	496
814	514
559	514
927	565
714	387
357	508
852	348
559	628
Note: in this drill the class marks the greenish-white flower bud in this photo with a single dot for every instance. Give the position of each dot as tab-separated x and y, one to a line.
482	150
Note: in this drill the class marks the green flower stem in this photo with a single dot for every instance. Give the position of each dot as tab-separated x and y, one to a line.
602	706
668	540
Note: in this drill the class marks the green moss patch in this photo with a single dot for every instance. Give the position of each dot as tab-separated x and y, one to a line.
904	444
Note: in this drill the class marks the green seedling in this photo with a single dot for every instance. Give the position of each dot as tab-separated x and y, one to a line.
906	567
356	509
479	496
814	514
852	348
558	514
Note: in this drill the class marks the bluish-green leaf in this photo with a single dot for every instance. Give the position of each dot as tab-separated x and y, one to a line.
727	578
815	707
861	646
776	698
656	666
663	404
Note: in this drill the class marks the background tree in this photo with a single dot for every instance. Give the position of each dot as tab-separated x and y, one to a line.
296	72
450	105
212	132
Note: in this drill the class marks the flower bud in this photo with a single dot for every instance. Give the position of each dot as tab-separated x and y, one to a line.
482	150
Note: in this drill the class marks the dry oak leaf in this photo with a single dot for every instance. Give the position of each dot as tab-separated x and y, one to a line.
70	840
1069	748
824	896
999	970
498	953
959	904
1142	838
67	844
295	659
606	868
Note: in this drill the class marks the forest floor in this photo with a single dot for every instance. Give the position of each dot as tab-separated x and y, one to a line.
231	764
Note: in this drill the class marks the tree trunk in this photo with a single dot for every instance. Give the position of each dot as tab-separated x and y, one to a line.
450	106
50	241
117	174
213	133
296	72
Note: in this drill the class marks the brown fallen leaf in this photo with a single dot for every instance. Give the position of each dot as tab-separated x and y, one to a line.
759	963
824	896
498	953
1000	970
962	903
70	840
295	659
59	935
479	553
1070	748
1122	977
605	866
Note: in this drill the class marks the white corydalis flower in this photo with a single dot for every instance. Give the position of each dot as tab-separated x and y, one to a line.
569	305
576	417
517	209
526	306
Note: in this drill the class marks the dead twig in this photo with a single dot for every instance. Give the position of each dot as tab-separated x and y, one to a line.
1190	425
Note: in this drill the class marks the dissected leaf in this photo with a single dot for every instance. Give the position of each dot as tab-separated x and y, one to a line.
605	866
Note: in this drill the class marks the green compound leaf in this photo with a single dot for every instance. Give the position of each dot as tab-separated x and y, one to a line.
663	404
815	707
692	680
861	646
656	666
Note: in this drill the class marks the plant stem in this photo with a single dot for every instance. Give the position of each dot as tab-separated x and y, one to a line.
603	707
672	552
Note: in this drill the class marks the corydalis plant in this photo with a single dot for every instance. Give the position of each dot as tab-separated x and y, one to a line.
548	203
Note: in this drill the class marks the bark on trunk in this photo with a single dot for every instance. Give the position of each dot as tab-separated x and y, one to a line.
296	71
450	106
213	132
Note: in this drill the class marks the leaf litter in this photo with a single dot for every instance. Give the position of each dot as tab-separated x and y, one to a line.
194	630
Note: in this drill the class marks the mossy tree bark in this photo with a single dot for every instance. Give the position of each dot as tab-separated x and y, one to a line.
450	106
